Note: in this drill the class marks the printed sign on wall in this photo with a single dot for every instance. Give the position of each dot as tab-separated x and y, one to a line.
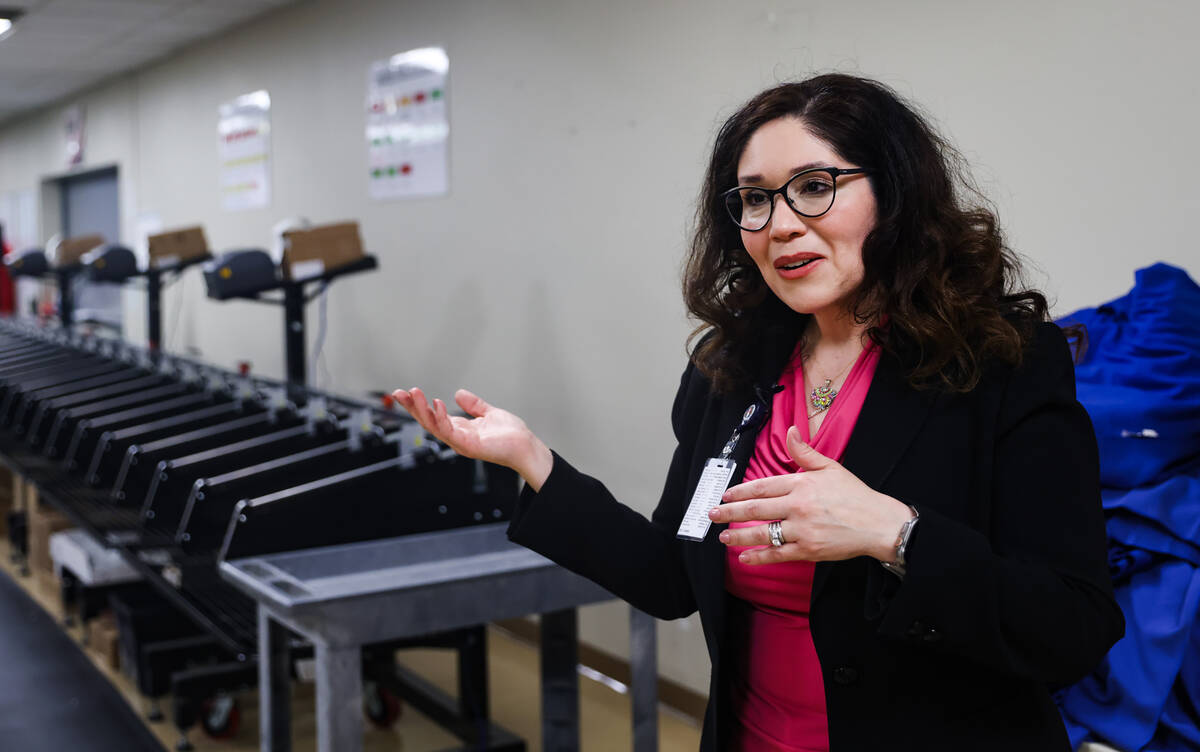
407	127
74	123
244	151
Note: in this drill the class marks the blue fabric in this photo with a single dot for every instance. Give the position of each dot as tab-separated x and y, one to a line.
1141	698
1140	382
1142	371
1163	519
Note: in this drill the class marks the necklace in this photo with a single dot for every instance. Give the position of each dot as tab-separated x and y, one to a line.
822	396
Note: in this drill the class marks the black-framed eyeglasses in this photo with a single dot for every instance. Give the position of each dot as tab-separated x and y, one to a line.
810	193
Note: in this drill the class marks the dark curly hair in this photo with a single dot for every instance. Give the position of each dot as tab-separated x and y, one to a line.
936	266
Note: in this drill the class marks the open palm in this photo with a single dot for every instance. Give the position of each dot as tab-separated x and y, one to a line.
491	434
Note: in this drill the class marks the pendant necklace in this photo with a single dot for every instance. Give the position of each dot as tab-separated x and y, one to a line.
822	396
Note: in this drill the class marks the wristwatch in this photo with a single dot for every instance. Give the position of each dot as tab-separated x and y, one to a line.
897	567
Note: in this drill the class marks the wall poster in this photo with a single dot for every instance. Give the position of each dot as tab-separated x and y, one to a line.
244	151
407	127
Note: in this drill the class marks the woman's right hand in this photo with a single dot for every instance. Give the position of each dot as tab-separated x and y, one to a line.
492	435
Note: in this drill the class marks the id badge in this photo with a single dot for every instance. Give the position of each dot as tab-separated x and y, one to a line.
713	482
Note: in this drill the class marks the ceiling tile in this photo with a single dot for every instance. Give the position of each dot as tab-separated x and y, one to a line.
60	46
65	16
43	27
213	17
118	59
14	90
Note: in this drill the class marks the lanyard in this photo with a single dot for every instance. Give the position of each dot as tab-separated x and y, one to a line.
754	416
719	470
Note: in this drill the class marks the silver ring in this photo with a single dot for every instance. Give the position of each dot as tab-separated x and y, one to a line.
775	533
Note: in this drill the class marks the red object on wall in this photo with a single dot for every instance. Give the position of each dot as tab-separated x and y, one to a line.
7	298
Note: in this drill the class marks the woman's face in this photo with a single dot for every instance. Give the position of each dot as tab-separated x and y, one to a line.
831	243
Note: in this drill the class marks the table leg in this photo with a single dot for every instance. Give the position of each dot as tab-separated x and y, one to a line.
274	685
473	680
560	680
643	662
339	699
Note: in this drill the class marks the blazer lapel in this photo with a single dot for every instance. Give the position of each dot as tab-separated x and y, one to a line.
777	349
891	417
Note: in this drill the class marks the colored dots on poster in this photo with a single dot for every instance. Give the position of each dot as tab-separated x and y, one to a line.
411	161
392	170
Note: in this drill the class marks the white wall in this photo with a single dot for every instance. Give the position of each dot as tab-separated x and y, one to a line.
548	279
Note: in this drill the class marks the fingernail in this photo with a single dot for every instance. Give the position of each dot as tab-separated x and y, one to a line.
744	558
714	514
724	537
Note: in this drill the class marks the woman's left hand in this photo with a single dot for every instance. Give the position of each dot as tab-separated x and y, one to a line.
827	513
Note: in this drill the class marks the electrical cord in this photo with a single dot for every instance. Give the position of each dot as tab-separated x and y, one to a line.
175	316
318	360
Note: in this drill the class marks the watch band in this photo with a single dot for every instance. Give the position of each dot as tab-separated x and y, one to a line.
899	566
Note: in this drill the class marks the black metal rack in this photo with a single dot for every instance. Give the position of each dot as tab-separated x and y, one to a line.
67	394
154	287
295	298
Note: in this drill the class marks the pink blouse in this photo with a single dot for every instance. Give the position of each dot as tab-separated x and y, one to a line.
778	695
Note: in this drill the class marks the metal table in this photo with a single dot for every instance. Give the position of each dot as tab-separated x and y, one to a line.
344	597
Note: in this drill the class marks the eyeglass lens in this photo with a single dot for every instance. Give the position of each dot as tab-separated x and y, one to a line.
808	193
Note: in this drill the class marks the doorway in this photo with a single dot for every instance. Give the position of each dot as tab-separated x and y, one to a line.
89	203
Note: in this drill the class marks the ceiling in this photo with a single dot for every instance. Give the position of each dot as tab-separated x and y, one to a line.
59	47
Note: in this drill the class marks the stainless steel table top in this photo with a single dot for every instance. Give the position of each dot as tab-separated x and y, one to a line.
414	584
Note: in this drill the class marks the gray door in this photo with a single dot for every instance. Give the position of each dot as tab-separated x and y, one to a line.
90	205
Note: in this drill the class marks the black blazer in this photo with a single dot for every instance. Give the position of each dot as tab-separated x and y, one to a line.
1007	592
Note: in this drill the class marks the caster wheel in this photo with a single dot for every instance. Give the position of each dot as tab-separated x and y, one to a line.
381	707
220	716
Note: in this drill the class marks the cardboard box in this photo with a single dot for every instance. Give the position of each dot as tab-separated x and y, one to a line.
177	246
29	497
313	251
71	250
18	493
6	499
103	639
42	524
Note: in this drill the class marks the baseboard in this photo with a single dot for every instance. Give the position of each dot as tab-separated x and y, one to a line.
670	693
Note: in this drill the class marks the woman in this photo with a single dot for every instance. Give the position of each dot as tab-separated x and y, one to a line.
915	551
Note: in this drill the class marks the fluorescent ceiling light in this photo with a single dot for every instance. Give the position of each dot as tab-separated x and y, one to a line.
8	16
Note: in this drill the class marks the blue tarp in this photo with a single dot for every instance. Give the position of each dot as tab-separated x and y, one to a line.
1140	382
